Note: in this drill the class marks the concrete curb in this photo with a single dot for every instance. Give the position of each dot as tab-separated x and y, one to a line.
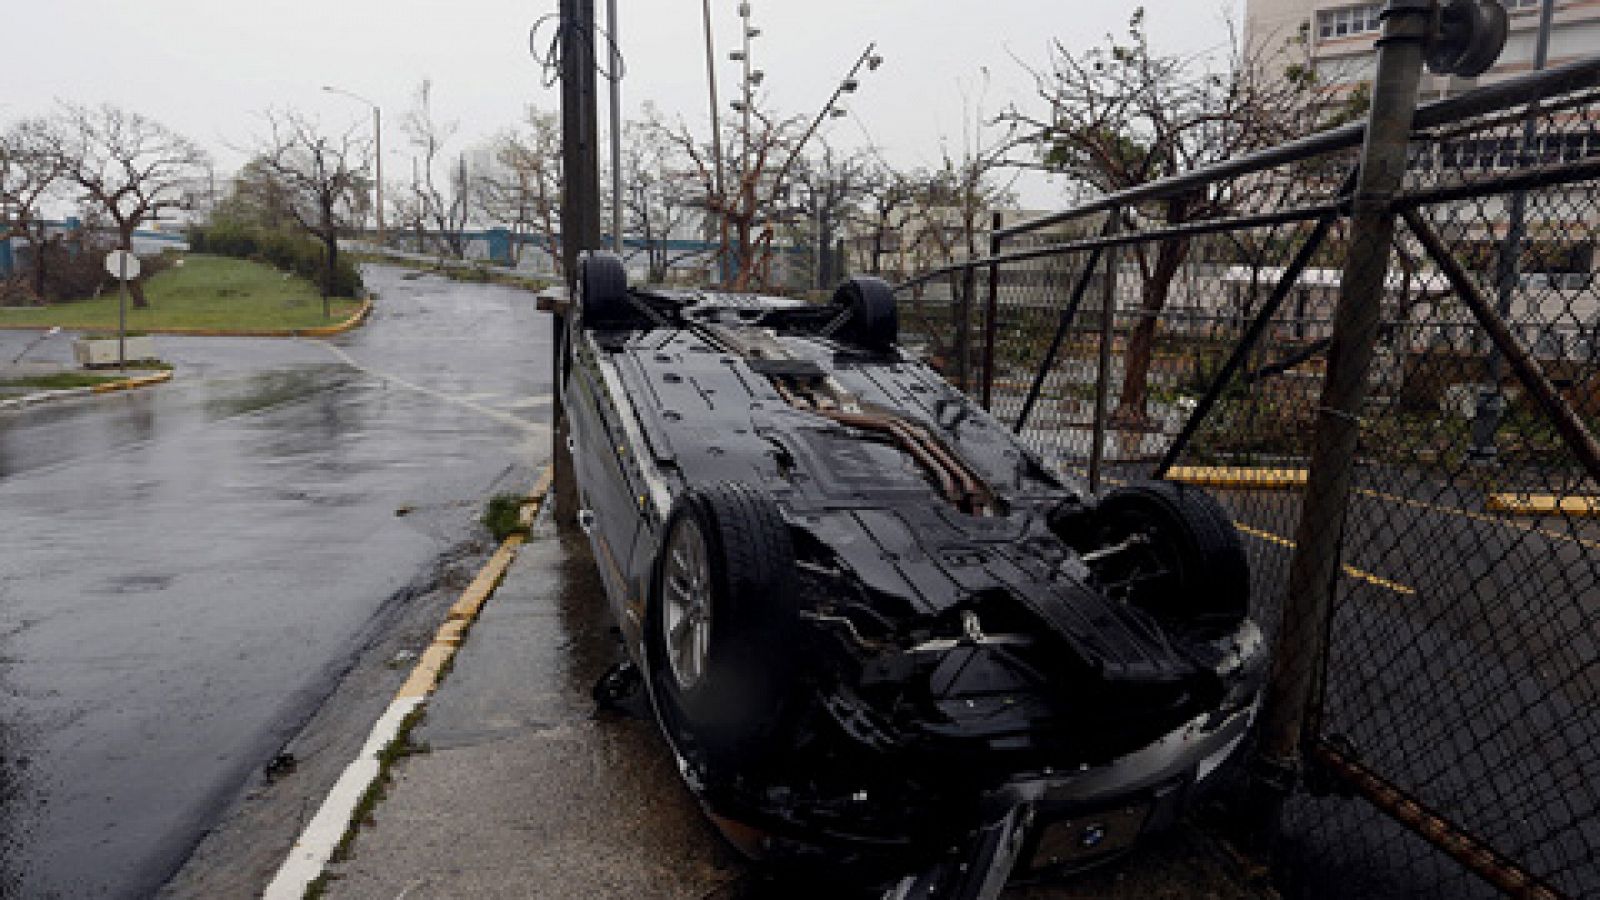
66	393
355	319
129	384
1520	504
335	820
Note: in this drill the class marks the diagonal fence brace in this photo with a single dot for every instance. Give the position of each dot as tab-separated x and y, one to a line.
1567	422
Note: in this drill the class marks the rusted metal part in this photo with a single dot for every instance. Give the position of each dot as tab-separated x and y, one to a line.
1567	423
903	439
979	498
1481	859
957	482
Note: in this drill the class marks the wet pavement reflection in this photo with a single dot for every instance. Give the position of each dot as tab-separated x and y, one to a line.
188	569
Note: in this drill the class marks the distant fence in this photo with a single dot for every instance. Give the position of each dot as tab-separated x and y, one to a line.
1449	740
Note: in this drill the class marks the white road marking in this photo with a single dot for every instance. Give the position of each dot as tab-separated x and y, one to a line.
316	844
491	412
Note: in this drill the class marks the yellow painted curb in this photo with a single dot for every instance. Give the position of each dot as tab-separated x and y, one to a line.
1352	571
477	593
356	318
1239	477
429	670
1519	504
131	383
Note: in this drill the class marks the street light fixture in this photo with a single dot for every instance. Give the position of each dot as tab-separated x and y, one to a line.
377	138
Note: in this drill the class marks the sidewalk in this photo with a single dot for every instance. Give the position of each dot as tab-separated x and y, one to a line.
517	789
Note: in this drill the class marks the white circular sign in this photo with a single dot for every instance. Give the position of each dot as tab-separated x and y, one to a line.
116	259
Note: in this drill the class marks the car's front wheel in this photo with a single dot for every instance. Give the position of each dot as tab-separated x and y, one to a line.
1183	559
721	627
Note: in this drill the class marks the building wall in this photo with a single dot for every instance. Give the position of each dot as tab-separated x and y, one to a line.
1350	58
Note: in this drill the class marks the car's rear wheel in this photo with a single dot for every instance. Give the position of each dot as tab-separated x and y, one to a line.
1181	557
874	324
603	291
721	626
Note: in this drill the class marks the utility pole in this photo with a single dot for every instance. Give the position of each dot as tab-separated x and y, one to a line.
718	202
377	141
580	209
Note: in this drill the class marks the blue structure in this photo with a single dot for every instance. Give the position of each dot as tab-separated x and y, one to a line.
499	245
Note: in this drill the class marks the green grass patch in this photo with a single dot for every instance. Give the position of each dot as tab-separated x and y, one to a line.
503	517
59	381
210	292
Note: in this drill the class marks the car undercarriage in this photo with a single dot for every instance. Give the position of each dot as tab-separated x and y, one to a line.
874	628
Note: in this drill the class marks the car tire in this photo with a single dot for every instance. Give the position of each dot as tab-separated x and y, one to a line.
725	710
874	323
1192	539
603	291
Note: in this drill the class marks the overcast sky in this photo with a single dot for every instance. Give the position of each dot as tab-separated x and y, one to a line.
208	68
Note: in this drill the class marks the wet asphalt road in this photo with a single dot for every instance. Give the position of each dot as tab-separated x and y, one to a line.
186	569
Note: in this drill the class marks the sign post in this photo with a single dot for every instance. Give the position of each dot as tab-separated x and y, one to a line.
122	265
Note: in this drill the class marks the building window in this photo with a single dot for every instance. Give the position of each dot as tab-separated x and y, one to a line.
1348	20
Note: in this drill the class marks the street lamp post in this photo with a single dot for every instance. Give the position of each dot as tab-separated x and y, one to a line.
614	66
377	140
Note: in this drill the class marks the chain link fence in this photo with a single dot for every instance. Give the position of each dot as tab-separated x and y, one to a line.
1449	744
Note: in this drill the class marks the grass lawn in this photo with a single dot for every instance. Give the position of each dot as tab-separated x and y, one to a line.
205	292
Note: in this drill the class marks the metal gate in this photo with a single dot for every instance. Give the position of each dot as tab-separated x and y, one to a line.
1393	381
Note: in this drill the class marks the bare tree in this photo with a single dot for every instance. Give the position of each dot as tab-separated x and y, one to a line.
752	184
887	210
131	167
522	185
659	197
829	187
1123	114
445	209
28	174
321	177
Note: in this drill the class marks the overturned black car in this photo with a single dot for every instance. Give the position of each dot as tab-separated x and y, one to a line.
874	629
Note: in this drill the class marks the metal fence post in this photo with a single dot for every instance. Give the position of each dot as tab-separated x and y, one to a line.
1303	632
1108	318
991	310
963	313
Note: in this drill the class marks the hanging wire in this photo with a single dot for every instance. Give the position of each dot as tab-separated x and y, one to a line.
549	60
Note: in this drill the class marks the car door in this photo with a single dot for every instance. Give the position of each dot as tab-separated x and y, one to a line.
607	505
